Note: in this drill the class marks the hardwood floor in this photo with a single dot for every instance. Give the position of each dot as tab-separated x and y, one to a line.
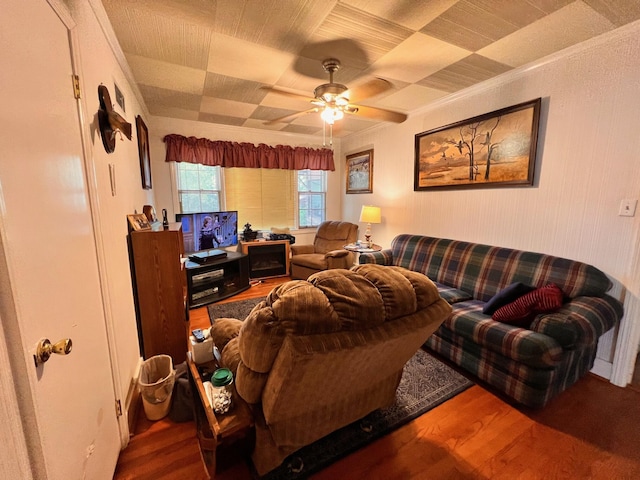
591	431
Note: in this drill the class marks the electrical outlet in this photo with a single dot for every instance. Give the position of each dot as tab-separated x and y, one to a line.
628	207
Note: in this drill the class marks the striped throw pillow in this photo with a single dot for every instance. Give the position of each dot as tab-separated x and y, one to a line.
522	311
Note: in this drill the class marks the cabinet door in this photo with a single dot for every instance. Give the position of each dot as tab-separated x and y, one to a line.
160	285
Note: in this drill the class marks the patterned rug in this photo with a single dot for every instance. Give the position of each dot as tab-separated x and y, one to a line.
426	383
239	309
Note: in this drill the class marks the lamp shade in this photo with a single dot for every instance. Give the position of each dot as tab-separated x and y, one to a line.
370	214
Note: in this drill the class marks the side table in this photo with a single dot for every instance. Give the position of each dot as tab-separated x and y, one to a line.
234	428
360	248
354	247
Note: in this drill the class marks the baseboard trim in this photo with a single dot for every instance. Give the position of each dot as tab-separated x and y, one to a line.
602	368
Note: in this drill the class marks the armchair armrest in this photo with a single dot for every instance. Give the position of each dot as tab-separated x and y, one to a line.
302	249
339	259
336	254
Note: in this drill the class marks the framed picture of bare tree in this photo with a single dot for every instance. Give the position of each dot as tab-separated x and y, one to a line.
497	149
360	172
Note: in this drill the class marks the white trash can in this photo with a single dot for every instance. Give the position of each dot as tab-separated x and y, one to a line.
156	380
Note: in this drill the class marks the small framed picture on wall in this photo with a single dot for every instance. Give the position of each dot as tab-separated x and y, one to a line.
360	172
143	152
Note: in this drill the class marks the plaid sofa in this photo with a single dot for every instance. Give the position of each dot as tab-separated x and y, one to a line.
529	365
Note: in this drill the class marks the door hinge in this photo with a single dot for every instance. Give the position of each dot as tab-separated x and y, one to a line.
76	86
118	408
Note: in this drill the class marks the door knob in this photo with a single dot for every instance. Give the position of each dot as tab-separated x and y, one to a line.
46	348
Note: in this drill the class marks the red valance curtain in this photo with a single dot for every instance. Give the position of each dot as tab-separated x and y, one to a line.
247	155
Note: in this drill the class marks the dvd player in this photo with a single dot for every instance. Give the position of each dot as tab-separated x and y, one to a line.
208	256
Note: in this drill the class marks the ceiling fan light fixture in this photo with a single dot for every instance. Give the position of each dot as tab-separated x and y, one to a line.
330	115
329	91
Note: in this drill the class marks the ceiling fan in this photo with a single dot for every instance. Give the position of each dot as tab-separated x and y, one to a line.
333	100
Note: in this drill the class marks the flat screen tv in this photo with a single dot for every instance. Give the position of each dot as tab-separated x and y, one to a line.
208	230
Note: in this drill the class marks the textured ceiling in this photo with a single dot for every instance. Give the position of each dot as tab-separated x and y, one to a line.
210	60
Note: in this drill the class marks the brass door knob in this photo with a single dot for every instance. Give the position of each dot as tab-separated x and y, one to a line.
46	348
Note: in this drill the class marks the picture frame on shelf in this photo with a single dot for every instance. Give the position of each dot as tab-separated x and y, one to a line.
497	149
138	221
143	152
359	172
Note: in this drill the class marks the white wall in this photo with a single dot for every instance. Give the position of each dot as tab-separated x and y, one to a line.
587	163
100	65
162	183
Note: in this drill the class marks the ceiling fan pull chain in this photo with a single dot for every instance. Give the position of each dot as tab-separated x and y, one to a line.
324	133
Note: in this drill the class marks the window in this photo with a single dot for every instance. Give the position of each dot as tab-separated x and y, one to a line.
199	187
264	198
312	188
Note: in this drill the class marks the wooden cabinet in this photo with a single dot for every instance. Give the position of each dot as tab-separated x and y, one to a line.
160	291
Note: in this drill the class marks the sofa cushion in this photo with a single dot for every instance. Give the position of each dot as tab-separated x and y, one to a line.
451	294
518	344
505	296
317	261
523	310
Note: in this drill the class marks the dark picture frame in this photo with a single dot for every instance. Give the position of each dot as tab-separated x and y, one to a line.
497	149
359	172
119	96
143	152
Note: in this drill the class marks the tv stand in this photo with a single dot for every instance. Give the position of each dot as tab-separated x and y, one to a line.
216	279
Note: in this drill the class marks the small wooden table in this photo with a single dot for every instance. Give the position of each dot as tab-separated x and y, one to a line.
358	249
354	247
233	428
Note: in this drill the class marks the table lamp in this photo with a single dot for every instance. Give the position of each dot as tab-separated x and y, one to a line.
369	214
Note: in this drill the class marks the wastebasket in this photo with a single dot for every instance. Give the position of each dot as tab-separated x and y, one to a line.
156	380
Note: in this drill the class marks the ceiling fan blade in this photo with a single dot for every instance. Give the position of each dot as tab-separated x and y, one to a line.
281	91
292	116
368	89
378	114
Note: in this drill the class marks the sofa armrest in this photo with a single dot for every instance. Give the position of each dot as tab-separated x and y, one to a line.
383	257
302	249
581	321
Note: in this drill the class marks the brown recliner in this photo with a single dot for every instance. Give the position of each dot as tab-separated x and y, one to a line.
326	252
317	355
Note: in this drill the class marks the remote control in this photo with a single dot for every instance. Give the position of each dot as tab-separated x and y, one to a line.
198	335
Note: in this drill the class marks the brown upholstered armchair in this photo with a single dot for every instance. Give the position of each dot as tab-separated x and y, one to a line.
319	354
326	251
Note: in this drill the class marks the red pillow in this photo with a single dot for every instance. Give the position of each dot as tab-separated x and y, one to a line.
523	310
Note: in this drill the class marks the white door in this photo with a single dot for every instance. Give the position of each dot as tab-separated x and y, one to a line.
50	284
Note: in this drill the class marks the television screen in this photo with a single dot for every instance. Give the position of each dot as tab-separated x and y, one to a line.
208	230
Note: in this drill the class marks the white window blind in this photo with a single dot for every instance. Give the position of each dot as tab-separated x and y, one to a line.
263	197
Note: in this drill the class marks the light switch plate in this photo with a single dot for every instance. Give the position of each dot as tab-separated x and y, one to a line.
628	207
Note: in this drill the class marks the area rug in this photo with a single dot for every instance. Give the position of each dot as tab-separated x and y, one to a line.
239	309
425	384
